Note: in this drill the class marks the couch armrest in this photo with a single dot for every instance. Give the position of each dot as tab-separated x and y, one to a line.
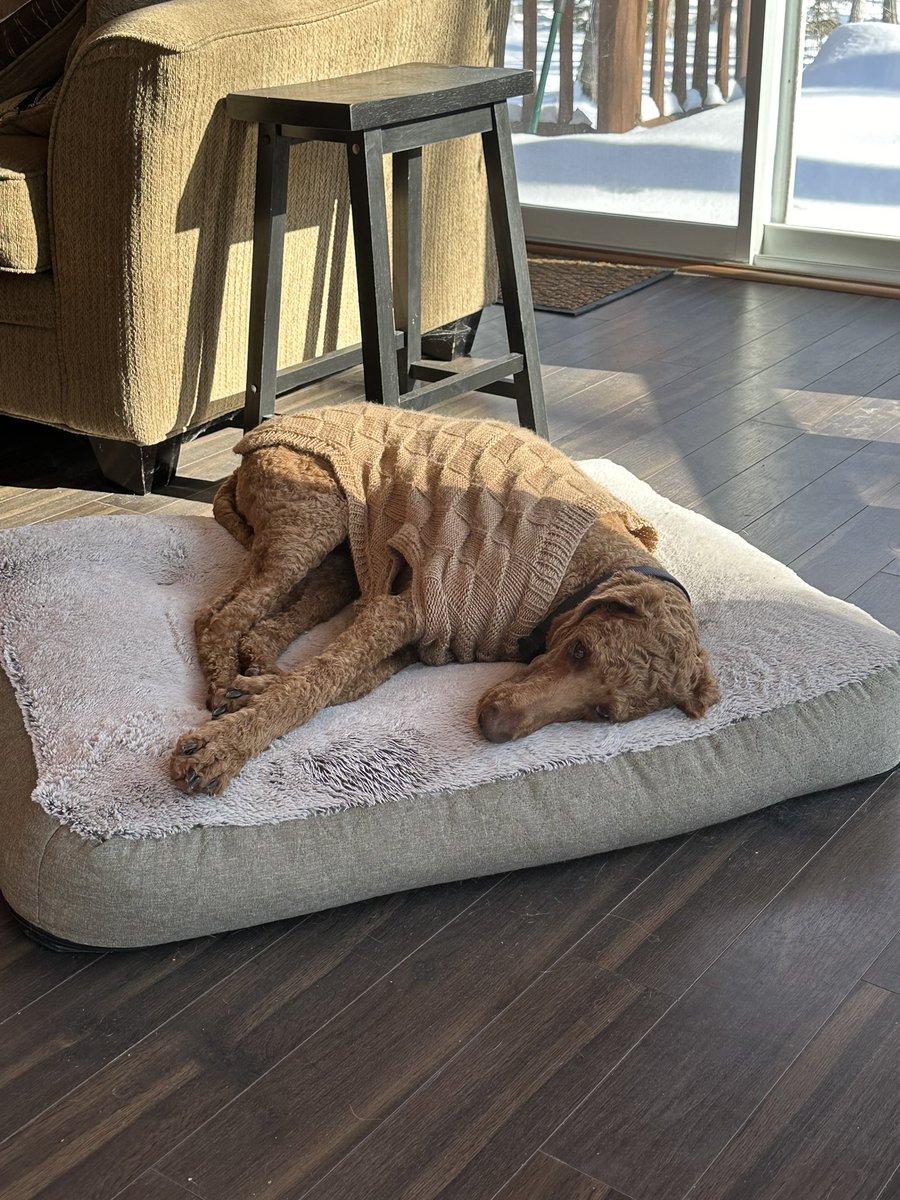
151	199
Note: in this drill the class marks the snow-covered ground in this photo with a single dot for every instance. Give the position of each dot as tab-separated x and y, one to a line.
847	145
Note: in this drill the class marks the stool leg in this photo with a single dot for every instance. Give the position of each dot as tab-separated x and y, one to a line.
509	237
407	259
365	162
265	279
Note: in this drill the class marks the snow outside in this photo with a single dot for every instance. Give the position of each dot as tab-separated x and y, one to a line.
847	135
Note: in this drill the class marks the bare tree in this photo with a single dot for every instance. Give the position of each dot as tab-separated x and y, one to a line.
856	11
889	11
822	18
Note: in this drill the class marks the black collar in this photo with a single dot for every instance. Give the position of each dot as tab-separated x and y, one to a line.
535	643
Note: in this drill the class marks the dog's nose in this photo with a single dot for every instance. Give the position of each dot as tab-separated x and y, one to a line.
496	723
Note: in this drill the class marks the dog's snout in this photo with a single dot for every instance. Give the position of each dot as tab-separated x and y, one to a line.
497	723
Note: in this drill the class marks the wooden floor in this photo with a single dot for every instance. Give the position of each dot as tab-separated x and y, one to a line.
715	1016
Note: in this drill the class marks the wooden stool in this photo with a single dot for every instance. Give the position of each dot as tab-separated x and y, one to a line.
394	111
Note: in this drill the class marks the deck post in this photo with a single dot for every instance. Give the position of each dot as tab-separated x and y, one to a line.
621	31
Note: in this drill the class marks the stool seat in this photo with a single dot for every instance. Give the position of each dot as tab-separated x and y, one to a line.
374	99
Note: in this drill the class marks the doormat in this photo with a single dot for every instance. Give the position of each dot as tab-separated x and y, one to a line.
575	285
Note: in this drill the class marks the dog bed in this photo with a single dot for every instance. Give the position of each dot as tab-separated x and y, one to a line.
397	790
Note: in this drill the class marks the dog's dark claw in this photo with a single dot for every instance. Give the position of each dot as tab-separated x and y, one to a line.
214	783
190	747
233	694
219	712
193	779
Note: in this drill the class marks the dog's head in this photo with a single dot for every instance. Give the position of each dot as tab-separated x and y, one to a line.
631	648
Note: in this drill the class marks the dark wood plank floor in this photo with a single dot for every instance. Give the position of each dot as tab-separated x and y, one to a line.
715	1016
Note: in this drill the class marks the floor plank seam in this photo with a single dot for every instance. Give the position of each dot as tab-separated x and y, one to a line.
881	987
831	533
313	1033
59	984
182	1190
685	458
874	575
661	426
600	1082
824	1021
759	516
783	499
591	1178
890	1185
745	379
397	1112
775	1083
506	1182
782	328
698	981
156	1028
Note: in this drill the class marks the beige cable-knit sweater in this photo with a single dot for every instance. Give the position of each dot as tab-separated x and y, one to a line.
486	515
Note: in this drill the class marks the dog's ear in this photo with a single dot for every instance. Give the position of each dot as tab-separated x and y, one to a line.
704	691
617	601
611	605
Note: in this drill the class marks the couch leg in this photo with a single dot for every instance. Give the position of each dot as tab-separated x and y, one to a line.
452	341
137	469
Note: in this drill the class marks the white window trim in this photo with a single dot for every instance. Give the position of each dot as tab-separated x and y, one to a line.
760	238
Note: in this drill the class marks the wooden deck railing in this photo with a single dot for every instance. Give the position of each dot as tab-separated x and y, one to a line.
680	38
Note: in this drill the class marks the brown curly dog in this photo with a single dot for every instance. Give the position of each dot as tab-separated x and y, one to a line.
615	639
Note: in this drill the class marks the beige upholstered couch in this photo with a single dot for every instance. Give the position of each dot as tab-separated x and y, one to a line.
125	238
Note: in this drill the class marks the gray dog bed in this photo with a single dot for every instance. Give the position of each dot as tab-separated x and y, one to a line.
398	789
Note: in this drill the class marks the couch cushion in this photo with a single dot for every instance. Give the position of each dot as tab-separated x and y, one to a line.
24	221
35	36
40	73
396	790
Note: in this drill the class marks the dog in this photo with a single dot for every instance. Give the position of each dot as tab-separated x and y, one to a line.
455	541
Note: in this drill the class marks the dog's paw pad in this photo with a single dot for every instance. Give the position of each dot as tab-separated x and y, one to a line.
203	764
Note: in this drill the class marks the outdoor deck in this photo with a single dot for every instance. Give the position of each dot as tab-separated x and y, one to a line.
718	1012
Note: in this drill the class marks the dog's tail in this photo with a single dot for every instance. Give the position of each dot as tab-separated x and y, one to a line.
227	515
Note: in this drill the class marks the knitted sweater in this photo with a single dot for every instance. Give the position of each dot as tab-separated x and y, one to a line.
486	515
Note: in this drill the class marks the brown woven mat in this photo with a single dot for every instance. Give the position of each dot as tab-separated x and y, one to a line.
575	286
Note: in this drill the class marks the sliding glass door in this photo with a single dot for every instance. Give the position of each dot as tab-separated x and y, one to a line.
640	139
836	196
733	130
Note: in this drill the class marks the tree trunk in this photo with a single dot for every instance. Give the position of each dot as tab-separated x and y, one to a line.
889	11
856	10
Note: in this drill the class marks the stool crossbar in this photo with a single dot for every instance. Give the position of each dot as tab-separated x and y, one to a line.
395	111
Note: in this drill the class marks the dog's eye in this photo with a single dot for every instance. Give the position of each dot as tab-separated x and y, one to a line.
600	713
577	650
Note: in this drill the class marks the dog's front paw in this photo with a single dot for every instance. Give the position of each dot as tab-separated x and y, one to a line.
206	759
242	692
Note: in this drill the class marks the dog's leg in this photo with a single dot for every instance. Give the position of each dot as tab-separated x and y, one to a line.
246	687
326	592
278	561
208	758
381	673
205	615
227	515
